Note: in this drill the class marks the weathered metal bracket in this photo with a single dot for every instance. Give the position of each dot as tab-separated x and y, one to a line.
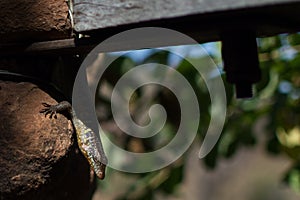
240	56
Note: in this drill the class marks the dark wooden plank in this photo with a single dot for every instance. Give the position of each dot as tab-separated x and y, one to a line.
98	14
85	45
267	20
203	20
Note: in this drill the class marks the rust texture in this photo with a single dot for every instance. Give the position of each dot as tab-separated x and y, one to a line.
33	20
39	158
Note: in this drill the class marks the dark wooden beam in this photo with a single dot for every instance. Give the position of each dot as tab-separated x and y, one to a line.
266	18
92	15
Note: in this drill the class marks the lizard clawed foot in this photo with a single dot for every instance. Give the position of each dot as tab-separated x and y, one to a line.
49	110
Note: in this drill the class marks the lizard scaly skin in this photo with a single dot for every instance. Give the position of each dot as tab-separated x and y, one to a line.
88	142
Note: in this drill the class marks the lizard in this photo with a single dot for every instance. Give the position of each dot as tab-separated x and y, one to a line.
89	144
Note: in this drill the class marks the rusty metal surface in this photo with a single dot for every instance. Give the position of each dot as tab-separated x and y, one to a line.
31	20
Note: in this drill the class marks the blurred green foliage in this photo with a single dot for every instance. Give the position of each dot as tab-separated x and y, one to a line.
276	100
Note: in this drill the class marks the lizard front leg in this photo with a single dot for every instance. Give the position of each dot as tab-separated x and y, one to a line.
88	142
